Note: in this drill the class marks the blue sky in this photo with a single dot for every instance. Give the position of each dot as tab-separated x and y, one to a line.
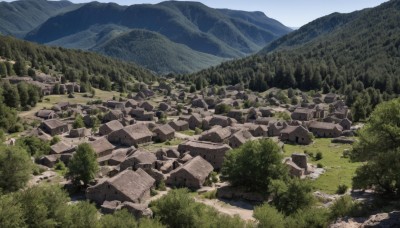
293	13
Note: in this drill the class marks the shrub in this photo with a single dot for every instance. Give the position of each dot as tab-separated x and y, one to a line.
210	195
342	189
345	206
319	165
269	217
318	156
197	131
161	186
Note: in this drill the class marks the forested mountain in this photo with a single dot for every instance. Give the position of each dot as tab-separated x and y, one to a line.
20	17
221	33
353	52
101	72
154	51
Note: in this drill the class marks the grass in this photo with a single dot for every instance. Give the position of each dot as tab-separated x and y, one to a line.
49	101
188	132
170	143
338	170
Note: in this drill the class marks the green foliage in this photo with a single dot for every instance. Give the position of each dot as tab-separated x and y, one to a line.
78	123
342	189
10	212
283	115
210	195
197	131
269	217
34	146
120	219
345	206
291	195
161	186
56	139
179	209
318	156
15	168
83	165
43	206
379	145
222	108
254	165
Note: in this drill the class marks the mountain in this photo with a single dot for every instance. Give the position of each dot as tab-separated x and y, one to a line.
218	32
340	52
73	64
20	17
154	51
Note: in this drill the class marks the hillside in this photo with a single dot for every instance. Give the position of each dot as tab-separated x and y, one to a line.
73	64
221	33
343	52
20	17
154	51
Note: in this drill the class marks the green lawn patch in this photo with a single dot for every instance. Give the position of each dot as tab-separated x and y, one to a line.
188	132
339	170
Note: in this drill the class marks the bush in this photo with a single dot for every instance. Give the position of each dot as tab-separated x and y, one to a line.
269	217
161	186
153	192
210	195
319	165
318	156
342	189
197	131
345	206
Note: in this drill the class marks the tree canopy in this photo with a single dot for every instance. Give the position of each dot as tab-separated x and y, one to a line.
83	165
254	165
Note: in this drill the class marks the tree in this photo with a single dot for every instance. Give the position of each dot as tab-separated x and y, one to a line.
11	96
269	217
291	195
34	146
3	70
254	165
379	147
44	206
119	219
15	168
83	165
78	123
20	67
23	94
10	212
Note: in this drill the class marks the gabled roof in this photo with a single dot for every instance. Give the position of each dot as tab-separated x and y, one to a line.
132	184
324	125
137	131
61	147
101	145
144	157
54	123
197	167
113	125
165	129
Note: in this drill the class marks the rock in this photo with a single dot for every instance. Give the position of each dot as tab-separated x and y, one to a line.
383	220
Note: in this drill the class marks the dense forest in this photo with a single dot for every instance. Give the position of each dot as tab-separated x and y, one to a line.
359	59
73	64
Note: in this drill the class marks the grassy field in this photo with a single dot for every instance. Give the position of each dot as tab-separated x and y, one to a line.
169	144
338	170
49	101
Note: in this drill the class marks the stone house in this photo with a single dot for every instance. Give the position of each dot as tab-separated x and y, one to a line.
325	130
216	135
179	125
192	174
163	133
103	148
127	186
330	98
303	114
131	104
195	121
346	124
109	127
294	170
114	104
147	106
61	147
49	160
266	112
54	127
164	106
199	103
214	153
275	128
131	135
79	133
222	121
46	114
139	159
236	114
257	130
296	134
113	115
239	138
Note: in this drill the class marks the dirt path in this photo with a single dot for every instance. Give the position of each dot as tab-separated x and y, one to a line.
243	213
